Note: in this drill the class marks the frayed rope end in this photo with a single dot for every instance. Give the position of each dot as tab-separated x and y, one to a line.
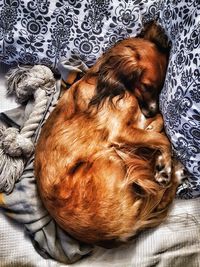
16	146
24	81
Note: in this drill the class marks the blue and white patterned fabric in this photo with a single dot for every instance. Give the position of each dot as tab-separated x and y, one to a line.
180	97
45	31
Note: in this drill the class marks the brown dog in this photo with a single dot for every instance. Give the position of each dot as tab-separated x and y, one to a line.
103	168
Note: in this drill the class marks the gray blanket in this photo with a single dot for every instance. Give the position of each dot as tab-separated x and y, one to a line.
24	204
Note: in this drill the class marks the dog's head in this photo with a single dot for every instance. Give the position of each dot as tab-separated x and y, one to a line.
137	65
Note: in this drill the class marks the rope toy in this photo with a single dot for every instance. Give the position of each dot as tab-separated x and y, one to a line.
16	146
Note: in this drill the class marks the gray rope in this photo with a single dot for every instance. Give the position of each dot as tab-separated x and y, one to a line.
15	146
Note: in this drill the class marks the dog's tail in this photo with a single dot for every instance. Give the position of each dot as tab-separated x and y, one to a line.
155	34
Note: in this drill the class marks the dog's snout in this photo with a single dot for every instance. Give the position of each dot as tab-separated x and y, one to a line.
150	110
153	107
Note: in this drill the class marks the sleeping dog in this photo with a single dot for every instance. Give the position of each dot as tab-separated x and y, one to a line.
103	164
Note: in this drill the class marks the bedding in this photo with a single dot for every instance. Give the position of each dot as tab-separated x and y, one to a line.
180	97
76	33
174	244
24	205
46	32
42	32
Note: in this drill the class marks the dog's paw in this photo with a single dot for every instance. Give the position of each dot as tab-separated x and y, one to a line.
180	172
163	171
156	125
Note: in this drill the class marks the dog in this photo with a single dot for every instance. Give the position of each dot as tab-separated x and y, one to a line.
103	163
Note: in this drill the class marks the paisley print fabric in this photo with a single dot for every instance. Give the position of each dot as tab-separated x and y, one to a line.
45	32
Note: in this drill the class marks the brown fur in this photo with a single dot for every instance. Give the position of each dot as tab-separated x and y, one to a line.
96	156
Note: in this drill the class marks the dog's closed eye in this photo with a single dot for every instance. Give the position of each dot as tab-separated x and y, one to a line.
147	88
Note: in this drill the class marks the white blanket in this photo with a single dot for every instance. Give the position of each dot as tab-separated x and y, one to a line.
174	244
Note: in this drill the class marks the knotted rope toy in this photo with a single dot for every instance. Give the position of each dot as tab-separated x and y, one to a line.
16	146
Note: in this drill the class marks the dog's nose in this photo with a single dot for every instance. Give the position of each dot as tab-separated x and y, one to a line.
150	110
147	113
153	107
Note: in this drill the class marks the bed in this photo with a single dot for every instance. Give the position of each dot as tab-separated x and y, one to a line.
72	34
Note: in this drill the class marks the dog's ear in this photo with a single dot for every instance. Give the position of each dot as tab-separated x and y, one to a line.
155	34
118	72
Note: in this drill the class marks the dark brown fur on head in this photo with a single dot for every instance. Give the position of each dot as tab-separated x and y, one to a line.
121	70
97	157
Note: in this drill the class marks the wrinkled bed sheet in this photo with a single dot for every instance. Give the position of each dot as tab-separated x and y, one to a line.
175	243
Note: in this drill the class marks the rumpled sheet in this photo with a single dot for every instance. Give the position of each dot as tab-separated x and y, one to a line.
24	204
174	243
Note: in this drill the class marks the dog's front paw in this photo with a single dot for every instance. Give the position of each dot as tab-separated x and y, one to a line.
163	171
156	125
180	172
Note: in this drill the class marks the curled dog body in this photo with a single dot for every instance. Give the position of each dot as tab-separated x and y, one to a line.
102	163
